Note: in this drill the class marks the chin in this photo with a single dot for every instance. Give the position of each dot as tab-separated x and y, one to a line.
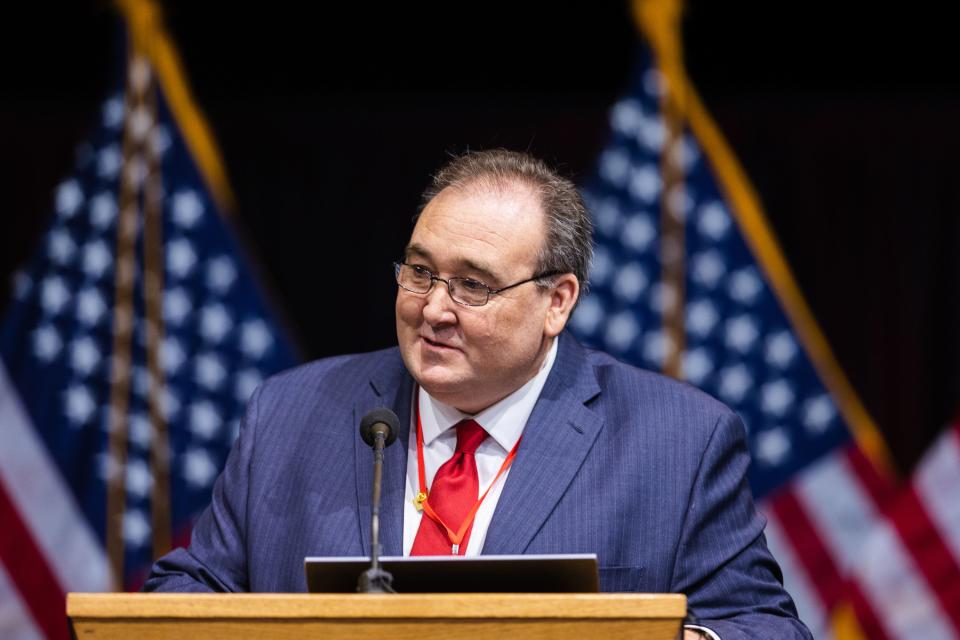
440	385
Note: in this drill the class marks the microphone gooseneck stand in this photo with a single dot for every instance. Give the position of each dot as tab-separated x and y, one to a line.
378	429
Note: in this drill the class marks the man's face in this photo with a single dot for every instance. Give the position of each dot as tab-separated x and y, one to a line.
471	357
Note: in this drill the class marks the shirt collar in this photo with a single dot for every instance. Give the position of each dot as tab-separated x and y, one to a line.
504	421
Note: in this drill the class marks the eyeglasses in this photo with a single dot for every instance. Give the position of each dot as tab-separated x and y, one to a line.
465	291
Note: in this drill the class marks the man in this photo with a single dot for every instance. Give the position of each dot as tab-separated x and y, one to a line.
551	447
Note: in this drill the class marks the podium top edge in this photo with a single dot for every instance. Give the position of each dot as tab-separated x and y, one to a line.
383	606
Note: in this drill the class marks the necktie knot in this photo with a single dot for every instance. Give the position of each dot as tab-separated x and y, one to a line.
469	436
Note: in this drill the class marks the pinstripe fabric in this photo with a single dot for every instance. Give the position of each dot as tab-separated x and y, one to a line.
644	471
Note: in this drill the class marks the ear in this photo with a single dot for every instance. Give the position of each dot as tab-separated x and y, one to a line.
563	296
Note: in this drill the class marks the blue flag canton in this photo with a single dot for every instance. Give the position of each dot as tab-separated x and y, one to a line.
220	340
740	346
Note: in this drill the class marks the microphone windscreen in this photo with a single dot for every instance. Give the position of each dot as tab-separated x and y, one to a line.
380	416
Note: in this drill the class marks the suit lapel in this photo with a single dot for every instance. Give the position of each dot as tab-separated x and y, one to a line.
390	387
558	436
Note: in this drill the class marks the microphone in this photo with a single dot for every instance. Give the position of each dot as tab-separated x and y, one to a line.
379	430
379	422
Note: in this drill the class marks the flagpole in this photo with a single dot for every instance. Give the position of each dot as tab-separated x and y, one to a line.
666	17
153	283
123	311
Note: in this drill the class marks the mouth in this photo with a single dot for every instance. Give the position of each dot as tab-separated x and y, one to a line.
434	344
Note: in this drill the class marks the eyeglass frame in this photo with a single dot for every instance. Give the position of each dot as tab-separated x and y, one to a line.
434	278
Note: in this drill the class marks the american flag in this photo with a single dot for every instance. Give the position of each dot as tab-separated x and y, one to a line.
688	279
134	339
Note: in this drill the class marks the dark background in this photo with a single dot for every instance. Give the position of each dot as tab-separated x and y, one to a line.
331	117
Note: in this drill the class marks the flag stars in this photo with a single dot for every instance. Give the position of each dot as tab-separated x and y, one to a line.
160	140
221	274
630	282
79	405
176	306
46	343
627	117
139	479
181	257
96	259
255	338
54	295
69	199
601	267
187	208
209	371
741	333
205	421
714	221
707	268
622	330
61	247
84	356
246	382
109	161
90	306
645	183
136	529
654	83
771	447
818	414
655	347
638	233
615	166
780	349
735	381
697	365
141	432
198	468
702	317
103	210
776	397
215	323
745	285
172	355
169	404
112	112
588	315
141	381
652	134
607	217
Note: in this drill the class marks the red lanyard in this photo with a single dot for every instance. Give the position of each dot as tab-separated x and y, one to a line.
422	502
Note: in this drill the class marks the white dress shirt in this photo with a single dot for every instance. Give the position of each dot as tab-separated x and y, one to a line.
504	422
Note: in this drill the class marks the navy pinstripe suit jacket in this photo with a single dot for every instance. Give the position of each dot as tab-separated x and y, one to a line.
646	472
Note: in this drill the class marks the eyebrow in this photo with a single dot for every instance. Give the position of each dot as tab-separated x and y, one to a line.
469	265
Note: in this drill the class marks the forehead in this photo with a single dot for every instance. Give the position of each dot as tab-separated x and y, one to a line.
480	225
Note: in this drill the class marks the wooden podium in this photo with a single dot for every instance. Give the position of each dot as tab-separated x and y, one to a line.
493	616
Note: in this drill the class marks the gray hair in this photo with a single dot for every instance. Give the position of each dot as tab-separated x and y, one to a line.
568	246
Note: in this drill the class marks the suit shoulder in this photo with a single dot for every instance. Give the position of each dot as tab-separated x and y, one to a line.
341	372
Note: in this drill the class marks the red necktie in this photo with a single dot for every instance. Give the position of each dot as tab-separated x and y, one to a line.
453	494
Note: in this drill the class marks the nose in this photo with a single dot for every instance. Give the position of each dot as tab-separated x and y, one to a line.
438	307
